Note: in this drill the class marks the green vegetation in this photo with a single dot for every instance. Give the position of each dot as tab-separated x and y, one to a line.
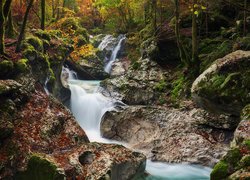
220	171
40	168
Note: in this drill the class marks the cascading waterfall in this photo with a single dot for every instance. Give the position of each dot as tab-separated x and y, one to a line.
46	86
113	57
88	106
106	40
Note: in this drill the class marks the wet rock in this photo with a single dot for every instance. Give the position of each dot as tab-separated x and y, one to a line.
224	86
91	68
138	85
236	163
42	139
168	135
46	63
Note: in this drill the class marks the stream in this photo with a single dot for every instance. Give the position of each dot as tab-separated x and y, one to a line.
88	105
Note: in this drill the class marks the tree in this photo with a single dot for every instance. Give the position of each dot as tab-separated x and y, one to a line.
182	51
4	12
42	14
245	18
22	32
195	55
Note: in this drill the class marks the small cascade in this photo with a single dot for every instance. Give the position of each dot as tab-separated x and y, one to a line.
106	40
88	106
68	74
46	86
114	54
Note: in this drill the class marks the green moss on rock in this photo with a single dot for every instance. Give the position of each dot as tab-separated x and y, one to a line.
6	68
220	171
43	34
161	86
21	65
245	114
35	42
245	161
40	168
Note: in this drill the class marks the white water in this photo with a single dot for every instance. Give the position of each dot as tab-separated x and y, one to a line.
88	106
106	40
46	86
113	57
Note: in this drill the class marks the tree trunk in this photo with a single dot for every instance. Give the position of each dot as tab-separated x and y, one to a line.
10	31
2	21
42	14
22	32
4	12
182	51
195	58
245	18
154	12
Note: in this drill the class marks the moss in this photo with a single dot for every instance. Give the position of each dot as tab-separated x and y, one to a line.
161	86
6	68
245	114
35	42
40	168
178	86
228	86
52	78
233	157
21	65
136	65
245	161
45	35
220	171
70	24
247	144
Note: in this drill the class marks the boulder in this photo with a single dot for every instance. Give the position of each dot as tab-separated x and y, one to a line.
168	135
41	138
46	52
236	163
224	86
139	85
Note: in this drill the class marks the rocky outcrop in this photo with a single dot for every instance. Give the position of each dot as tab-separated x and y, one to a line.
236	163
141	84
39	137
224	86
169	135
46	52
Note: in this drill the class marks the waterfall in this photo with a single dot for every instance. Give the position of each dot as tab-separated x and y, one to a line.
88	106
106	40
114	55
46	86
68	74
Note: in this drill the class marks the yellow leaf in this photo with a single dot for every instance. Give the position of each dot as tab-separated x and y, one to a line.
203	7
196	13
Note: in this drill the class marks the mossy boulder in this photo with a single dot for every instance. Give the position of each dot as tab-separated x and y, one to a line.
36	42
21	65
40	168
224	86
236	163
6	69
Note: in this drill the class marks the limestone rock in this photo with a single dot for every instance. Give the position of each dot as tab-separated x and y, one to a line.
166	134
225	86
42	138
138	85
